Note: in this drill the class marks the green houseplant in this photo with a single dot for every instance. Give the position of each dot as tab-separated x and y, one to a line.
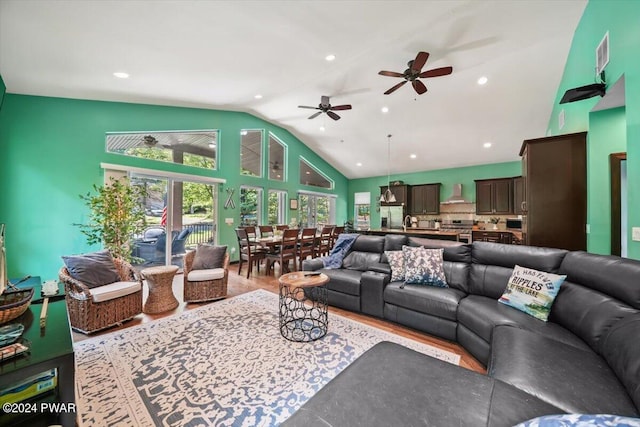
115	216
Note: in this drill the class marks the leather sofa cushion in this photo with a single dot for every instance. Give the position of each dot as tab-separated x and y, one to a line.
488	280
391	385
453	251
544	259
622	351
588	313
393	242
573	379
365	243
439	302
344	281
457	274
612	275
481	315
361	261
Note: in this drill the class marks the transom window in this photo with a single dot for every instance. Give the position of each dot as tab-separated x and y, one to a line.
192	148
277	163
309	175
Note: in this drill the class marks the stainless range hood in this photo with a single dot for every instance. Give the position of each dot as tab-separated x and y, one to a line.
456	196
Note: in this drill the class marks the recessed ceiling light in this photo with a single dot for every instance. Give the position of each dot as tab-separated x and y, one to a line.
358	164
212	144
486	145
308	173
330	57
385	109
413	156
243	132
483	80
121	75
278	176
322	128
258	96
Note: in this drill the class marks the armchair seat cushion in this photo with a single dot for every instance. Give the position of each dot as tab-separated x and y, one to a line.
114	290
205	275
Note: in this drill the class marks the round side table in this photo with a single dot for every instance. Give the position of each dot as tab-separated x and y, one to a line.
160	283
303	306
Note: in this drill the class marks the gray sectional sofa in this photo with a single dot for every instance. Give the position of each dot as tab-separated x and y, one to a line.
585	359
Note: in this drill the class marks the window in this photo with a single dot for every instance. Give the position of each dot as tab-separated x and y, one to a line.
276	207
277	163
362	214
192	148
316	210
250	206
251	152
309	175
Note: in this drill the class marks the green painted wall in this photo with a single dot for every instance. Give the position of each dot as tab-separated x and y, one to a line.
607	134
51	150
447	177
620	19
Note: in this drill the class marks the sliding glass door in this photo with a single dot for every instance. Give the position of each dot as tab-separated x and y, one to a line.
316	210
179	214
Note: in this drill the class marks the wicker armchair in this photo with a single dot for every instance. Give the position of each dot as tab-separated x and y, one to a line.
204	290
88	316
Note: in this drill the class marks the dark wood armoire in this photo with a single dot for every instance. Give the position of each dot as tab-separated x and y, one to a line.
554	170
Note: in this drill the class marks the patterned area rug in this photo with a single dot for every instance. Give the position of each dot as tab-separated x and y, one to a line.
223	364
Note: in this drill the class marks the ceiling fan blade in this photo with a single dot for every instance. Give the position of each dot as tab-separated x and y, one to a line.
436	72
393	89
333	115
314	115
340	107
306	106
419	87
390	74
418	63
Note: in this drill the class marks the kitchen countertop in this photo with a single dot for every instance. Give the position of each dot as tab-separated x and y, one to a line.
414	231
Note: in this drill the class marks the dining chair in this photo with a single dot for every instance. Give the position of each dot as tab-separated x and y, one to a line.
249	252
334	235
266	230
281	227
323	244
287	252
251	231
306	245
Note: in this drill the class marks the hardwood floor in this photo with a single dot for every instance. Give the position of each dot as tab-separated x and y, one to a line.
239	284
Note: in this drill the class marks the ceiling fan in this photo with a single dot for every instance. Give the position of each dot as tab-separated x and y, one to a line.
414	72
326	107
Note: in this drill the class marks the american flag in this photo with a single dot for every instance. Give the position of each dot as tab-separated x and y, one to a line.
163	220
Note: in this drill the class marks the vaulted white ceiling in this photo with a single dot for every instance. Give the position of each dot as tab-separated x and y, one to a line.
220	54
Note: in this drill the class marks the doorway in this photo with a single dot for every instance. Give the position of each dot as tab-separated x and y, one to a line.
618	170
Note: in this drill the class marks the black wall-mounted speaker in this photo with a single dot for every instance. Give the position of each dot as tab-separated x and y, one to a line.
583	92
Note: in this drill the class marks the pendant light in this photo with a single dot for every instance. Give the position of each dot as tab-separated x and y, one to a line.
388	196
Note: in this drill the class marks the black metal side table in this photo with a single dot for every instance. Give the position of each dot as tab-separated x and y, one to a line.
303	306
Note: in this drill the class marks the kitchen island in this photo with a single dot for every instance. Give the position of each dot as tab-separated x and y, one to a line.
415	232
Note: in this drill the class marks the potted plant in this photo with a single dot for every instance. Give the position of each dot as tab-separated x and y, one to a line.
494	220
115	216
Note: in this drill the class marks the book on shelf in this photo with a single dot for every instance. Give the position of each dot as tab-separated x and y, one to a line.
30	387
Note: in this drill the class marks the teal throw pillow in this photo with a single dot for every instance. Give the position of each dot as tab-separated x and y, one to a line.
396	262
532	291
424	266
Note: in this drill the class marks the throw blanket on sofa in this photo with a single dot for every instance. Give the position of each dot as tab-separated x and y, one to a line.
339	251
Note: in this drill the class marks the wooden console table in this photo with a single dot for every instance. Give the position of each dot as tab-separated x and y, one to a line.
49	347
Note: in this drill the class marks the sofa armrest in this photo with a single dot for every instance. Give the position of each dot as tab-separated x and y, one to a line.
312	264
372	286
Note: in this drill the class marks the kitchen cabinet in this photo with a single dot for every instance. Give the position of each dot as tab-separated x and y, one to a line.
494	196
555	183
400	191
519	201
425	199
504	237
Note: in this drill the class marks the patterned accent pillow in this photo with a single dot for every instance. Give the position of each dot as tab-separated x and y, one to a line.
581	420
396	262
424	266
532	291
